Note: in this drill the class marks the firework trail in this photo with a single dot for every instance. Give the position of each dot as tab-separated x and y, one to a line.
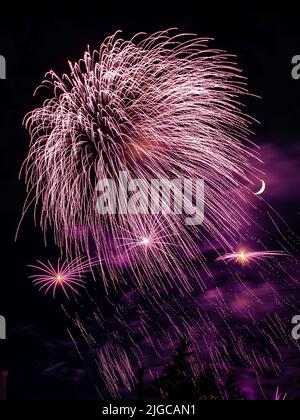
241	322
279	395
115	367
164	107
126	328
67	276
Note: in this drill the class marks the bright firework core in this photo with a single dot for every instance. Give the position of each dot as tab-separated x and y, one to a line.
145	241
242	257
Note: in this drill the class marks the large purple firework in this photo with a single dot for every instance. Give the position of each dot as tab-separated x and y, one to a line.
163	107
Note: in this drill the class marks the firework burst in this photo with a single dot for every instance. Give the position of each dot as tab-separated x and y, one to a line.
244	257
67	276
164	107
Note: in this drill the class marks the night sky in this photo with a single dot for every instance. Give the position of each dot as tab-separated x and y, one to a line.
264	39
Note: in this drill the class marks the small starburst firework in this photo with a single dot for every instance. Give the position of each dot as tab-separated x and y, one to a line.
67	276
244	257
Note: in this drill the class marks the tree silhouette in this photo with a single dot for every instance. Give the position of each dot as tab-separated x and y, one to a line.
177	381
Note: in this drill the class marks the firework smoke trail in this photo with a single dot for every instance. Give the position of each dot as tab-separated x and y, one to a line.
164	107
65	276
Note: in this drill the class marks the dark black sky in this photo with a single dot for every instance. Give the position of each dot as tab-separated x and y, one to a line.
264	38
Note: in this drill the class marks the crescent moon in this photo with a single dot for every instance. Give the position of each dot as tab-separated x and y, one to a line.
262	189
